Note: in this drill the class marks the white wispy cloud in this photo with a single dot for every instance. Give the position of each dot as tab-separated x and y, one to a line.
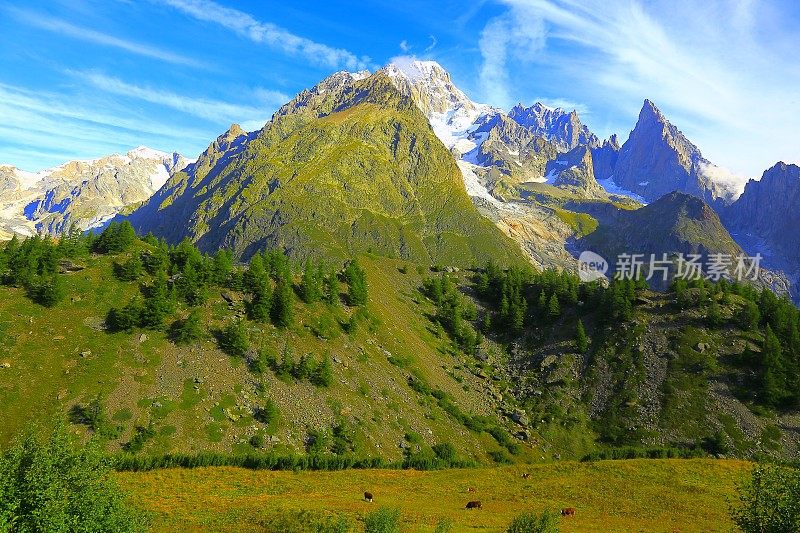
516	34
40	128
404	46
62	27
213	110
270	34
711	66
434	42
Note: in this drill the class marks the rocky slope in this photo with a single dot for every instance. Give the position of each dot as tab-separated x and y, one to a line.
86	193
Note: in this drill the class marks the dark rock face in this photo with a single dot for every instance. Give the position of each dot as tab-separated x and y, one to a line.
604	158
766	216
658	159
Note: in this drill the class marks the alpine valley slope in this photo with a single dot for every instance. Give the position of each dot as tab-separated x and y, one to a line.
86	193
350	166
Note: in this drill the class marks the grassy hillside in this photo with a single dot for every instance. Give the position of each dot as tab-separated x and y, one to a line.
609	496
163	397
342	170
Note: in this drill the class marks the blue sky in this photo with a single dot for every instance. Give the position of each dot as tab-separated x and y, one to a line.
84	78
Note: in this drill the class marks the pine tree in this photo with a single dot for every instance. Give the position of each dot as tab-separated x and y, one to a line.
357	283
48	290
221	267
581	340
261	302
305	368
287	363
283	304
131	270
269	414
234	339
332	288
553	308
188	330
158	304
772	372
190	286
310	285
323	374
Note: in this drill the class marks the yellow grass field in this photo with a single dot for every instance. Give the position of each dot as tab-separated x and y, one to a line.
670	495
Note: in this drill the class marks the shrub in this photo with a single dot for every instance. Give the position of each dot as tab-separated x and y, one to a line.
47	291
547	522
233	338
445	451
188	330
383	520
769	502
50	485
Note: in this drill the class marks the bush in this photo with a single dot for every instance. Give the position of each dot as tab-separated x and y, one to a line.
233	338
47	291
131	270
547	522
445	451
51	485
188	330
257	441
384	520
769	502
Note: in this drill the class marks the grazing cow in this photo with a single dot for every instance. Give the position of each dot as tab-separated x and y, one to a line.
471	489
526	475
474	505
368	496
569	511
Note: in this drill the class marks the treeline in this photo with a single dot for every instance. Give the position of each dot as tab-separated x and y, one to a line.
776	319
273	461
519	297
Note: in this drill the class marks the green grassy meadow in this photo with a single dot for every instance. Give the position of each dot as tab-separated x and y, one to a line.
671	495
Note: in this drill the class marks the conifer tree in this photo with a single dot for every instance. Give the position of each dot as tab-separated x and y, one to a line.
553	308
234	338
282	309
332	288
310	286
581	340
357	283
323	374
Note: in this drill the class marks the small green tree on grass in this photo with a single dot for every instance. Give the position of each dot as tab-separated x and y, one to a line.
52	485
769	502
188	330
581	339
357	283
323	374
233	339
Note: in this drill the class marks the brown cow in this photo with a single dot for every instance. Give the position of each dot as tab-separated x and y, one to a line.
569	511
474	505
471	489
526	475
368	496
